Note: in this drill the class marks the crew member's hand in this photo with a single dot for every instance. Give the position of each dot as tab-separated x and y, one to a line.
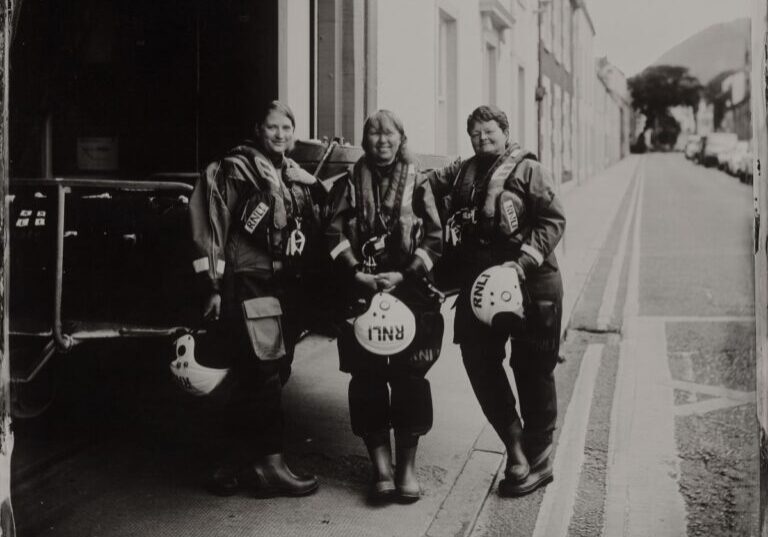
518	268
212	309
367	281
387	281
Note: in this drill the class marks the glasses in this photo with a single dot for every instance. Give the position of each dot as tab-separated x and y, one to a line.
488	133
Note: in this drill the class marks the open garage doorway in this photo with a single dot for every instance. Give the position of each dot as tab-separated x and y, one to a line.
128	88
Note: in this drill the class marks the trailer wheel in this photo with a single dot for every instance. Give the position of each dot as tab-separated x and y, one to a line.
31	399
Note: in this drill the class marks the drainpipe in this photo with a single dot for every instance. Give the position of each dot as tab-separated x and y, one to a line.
539	88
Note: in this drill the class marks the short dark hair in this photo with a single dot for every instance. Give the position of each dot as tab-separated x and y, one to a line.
488	112
274	106
384	116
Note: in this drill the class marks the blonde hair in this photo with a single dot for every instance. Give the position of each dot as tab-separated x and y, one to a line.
377	119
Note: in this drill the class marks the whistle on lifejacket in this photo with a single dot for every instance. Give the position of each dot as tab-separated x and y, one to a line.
370	250
296	240
455	224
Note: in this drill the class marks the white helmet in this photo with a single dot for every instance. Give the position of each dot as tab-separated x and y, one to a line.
496	290
388	327
190	375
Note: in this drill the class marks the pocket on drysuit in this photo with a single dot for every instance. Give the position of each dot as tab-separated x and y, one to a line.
264	326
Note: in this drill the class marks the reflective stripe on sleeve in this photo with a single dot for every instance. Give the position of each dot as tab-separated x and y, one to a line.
343	245
201	265
533	252
220	264
422	253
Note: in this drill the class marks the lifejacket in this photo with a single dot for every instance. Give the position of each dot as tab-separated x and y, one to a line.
388	218
484	206
243	196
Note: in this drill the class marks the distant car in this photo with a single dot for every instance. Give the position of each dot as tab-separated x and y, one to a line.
744	172
716	143
692	146
732	160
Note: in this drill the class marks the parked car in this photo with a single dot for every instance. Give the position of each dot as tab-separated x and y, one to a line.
744	172
732	159
692	146
714	144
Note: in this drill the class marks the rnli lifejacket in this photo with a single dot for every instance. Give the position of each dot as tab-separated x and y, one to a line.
243	211
481	206
397	229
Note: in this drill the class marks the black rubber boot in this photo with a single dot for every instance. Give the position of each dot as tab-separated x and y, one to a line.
517	463
538	477
270	477
538	448
383	484
408	488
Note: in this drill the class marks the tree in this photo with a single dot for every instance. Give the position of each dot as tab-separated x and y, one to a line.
660	87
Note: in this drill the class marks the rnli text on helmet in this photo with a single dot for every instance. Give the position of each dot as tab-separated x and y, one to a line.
384	333
477	292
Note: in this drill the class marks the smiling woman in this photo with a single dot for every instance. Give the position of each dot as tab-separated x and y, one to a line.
384	138
488	131
385	237
274	130
256	229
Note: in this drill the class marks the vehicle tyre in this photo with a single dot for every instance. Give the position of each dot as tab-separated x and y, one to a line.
32	399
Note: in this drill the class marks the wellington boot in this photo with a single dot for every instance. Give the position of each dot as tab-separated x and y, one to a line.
270	476
517	468
537	477
383	485
538	454
408	488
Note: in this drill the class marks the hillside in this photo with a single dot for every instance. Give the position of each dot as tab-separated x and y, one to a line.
715	49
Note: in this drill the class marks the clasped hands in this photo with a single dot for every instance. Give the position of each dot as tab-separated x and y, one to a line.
384	281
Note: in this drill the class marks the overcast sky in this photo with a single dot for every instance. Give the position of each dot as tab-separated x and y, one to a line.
634	33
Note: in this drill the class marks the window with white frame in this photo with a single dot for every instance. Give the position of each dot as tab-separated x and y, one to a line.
490	73
447	137
546	123
566	131
546	23
557	133
567	44
557	36
497	22
521	105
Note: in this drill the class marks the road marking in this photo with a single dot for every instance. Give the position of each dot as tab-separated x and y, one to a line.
712	319
722	398
557	506
611	292
716	391
642	497
709	405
